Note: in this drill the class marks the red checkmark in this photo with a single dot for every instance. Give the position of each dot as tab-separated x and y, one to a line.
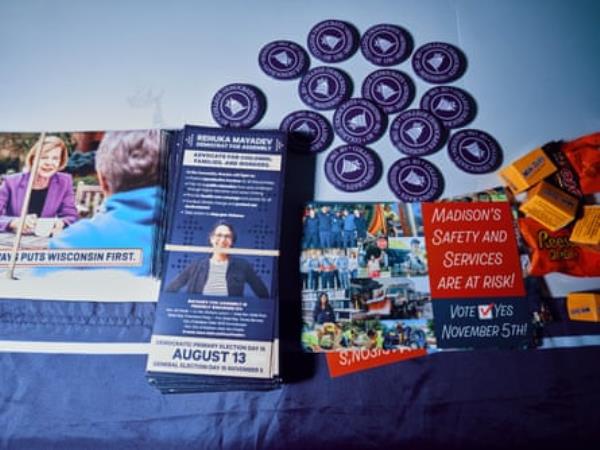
486	310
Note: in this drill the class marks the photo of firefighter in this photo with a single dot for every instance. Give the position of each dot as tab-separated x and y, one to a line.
384	257
333	226
322	269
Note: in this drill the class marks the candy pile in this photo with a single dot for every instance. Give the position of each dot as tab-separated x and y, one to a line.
562	222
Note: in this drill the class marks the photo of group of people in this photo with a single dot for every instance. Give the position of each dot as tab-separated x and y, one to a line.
346	225
369	290
340	227
337	319
370	334
331	268
79	190
392	256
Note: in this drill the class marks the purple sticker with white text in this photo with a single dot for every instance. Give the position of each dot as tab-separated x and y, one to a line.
283	60
439	62
415	180
391	90
453	106
308	131
386	45
238	106
333	41
359	121
324	88
417	133
475	151
352	168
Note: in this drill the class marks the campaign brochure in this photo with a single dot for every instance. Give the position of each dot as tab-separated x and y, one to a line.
84	207
216	319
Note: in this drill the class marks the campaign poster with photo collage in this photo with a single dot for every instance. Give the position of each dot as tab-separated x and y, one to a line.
365	278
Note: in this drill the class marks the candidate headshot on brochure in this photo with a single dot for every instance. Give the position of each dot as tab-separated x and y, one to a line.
220	274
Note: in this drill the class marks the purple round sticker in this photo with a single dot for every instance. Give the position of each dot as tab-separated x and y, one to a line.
475	151
453	106
417	133
439	62
284	60
308	131
352	168
415	180
359	121
324	88
333	41
238	106
391	90
386	45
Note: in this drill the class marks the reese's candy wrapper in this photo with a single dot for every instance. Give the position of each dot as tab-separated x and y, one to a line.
584	156
551	251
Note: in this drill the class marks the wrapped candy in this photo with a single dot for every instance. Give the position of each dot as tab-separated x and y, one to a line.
552	251
584	156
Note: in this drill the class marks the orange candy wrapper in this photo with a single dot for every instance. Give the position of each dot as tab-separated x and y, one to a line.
584	156
551	251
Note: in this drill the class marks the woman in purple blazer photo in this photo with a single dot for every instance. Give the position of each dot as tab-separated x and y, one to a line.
52	192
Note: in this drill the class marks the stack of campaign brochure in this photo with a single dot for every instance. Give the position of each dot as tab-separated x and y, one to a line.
216	318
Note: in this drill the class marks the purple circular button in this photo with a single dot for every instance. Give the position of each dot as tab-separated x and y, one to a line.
415	180
308	131
324	88
439	62
238	106
332	41
352	168
417	133
475	151
391	90
283	60
386	45
359	121
453	106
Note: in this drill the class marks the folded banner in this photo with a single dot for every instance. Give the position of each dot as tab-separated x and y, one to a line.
346	362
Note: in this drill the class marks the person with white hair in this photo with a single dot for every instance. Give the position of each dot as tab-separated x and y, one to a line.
128	165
